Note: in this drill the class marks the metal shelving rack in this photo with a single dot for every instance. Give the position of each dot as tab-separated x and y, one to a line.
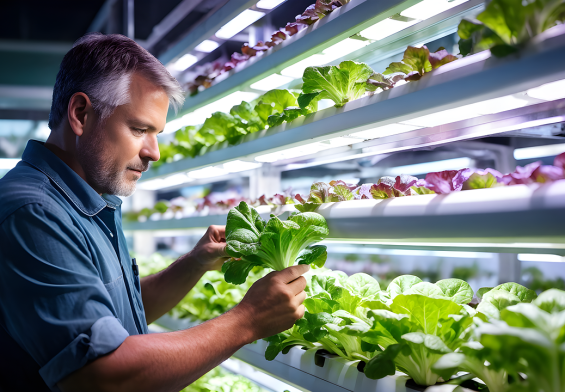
514	219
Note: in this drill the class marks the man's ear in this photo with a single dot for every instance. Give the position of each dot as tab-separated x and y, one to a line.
79	112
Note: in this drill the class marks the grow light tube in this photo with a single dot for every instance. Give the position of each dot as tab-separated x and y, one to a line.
539	151
549	91
240	22
428	8
431	243
207	46
271	82
386	28
184	62
269	4
160	183
541	258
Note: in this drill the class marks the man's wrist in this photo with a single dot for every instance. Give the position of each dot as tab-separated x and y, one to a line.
191	262
244	323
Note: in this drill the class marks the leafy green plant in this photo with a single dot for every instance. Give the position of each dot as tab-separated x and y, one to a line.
343	83
220	380
419	61
275	244
529	339
505	25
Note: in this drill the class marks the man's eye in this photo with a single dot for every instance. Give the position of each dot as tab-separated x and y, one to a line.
139	130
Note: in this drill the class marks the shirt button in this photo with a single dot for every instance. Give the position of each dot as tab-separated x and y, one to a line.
111	235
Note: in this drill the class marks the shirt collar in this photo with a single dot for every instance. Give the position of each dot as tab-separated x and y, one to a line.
82	195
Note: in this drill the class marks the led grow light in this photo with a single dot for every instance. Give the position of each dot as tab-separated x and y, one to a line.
539	151
160	183
443	117
269	4
271	82
343	48
431	167
207	172
386	28
239	23
8	163
200	115
239	166
541	258
386	130
184	62
496	105
549	91
428	8
294	152
297	70
207	46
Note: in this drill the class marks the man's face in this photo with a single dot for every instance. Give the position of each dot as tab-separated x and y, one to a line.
114	154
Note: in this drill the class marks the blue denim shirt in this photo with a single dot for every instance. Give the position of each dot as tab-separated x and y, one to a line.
68	293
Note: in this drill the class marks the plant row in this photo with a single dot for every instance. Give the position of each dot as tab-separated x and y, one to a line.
506	336
208	72
387	187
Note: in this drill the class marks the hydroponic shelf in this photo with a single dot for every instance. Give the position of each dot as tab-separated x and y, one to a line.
337	26
511	219
302	369
471	79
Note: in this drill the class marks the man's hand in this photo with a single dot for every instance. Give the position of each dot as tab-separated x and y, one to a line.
210	252
274	302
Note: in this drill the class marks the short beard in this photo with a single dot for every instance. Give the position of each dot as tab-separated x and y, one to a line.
101	172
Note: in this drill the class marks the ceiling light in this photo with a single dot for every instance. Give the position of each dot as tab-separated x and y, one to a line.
207	172
431	167
496	105
539	151
428	8
386	28
184	62
297	69
269	4
207	46
386	130
549	91
344	48
342	141
239	166
293	152
443	117
541	258
161	183
239	23
8	163
271	82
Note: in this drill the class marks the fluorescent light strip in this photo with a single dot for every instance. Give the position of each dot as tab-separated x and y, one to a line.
184	62
269	4
240	22
386	130
343	48
386	28
297	69
428	8
549	91
207	46
541	258
539	151
8	163
430	243
160	183
406	252
430	167
271	82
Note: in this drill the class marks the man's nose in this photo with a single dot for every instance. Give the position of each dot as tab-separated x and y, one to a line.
150	149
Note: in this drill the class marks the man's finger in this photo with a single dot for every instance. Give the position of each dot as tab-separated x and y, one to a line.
218	231
300	297
287	275
298	285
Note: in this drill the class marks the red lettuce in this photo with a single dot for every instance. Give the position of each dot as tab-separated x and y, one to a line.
447	181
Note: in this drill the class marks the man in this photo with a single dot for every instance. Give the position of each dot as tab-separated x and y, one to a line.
73	312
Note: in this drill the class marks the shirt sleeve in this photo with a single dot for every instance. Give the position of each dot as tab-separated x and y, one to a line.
52	300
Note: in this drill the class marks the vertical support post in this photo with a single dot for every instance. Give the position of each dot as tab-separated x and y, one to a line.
143	241
509	268
265	180
129	21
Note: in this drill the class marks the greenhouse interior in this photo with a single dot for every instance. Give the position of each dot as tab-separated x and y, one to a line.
411	153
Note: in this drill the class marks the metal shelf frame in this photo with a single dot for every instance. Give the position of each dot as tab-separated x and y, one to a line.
468	80
512	219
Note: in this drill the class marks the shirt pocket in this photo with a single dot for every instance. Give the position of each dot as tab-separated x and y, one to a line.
119	281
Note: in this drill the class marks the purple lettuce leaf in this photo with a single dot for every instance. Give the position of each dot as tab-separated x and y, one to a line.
441	57
447	181
382	190
547	173
560	161
362	192
342	190
404	183
522	175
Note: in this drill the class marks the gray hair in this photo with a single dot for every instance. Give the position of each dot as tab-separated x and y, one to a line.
101	67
